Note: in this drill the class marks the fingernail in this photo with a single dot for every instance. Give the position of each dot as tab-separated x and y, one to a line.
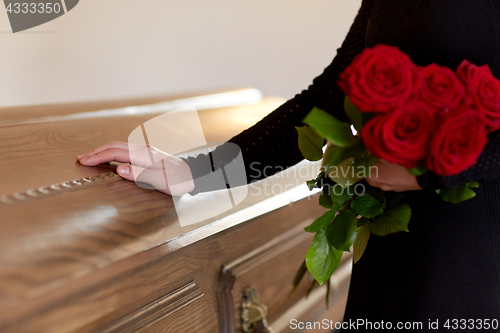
124	169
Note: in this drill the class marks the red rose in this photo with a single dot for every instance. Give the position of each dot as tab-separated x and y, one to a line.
484	90
380	79
441	87
457	142
401	136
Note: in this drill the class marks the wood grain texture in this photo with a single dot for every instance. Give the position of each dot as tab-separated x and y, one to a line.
37	155
157	315
104	254
113	291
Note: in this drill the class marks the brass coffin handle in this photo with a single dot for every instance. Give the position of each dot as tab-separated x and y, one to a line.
253	314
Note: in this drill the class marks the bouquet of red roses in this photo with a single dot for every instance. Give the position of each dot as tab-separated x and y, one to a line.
423	118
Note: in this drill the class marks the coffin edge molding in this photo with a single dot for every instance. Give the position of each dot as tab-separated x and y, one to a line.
57	188
156	311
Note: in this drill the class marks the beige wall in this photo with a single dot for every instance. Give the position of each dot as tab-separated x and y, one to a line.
107	49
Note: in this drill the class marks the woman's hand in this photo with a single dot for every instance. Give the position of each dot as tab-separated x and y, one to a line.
392	177
166	173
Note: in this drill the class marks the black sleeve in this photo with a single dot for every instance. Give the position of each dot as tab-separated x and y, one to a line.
271	145
486	168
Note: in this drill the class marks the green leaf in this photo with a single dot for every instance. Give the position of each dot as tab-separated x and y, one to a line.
458	195
333	155
330	128
314	183
367	206
360	242
328	284
364	164
311	184
362	221
418	171
321	222
325	200
311	287
322	258
310	143
393	220
339	197
345	173
298	277
356	151
342	232
353	113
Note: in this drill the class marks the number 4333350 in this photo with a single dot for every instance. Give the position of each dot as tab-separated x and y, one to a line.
33	8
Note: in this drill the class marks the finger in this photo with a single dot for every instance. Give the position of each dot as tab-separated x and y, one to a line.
375	170
118	144
112	154
374	181
155	178
385	188
370	181
373	175
112	144
139	157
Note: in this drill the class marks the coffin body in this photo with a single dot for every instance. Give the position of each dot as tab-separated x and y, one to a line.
82	250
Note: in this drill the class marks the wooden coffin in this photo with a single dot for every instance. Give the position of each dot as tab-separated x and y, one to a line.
82	250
